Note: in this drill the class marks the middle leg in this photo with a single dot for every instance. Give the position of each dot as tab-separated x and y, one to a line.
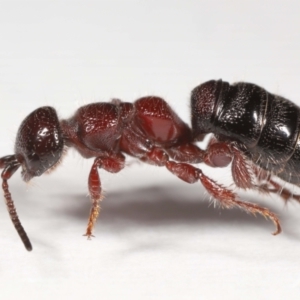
224	196
217	155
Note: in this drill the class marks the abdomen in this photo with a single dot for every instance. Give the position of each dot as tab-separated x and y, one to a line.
266	126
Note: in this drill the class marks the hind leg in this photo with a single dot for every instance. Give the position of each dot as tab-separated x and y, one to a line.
276	188
267	185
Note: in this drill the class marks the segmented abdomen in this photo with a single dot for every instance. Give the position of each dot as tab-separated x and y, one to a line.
266	124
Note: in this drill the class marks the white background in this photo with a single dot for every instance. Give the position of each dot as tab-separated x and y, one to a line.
157	237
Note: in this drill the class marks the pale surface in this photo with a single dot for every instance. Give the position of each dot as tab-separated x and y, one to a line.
157	237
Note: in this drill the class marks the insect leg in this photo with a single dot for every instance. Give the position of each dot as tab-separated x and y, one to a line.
278	189
189	153
241	170
221	154
112	164
224	196
190	174
218	154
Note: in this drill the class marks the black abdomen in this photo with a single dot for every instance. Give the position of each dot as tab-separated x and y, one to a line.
267	126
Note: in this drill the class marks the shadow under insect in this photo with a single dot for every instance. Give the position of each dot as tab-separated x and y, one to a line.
158	206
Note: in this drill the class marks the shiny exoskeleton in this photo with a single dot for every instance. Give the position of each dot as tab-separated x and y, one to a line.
149	130
264	125
259	131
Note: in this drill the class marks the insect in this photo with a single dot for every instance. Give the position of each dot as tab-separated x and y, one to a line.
149	130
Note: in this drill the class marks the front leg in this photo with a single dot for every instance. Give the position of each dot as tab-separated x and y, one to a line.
113	164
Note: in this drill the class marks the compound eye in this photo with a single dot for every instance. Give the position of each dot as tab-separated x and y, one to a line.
39	143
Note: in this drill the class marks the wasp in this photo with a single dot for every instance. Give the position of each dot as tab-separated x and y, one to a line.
254	131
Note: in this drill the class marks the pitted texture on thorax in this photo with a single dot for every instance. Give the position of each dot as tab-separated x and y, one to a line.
97	126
